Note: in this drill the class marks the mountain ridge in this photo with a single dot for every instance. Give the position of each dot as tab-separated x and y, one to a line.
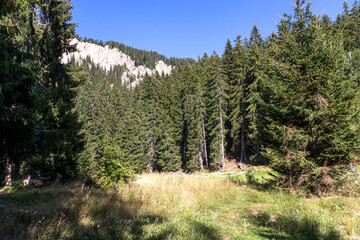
107	58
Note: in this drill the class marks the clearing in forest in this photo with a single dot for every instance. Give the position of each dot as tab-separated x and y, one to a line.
159	206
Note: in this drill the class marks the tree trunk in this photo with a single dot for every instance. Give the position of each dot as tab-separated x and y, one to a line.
204	144
200	161
243	150
352	72
222	145
239	164
26	180
8	179
151	164
243	147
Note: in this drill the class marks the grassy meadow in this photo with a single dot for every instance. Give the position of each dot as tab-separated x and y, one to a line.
176	206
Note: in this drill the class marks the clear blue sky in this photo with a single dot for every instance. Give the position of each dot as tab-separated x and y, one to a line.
184	28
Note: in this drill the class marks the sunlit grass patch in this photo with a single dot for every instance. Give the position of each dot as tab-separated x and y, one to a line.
254	175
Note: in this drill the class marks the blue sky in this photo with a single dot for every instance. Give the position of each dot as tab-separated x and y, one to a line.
184	28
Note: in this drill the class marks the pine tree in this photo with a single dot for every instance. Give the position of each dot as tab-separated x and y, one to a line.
59	141
313	109
194	133
133	136
254	98
17	78
149	122
176	110
348	25
216	104
352	27
86	103
167	151
101	108
227	66
237	102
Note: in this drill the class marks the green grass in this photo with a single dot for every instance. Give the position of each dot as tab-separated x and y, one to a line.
254	175
164	206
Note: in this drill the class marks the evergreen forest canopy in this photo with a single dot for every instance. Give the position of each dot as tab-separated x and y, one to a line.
290	100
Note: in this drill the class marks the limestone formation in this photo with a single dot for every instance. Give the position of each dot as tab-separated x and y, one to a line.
107	58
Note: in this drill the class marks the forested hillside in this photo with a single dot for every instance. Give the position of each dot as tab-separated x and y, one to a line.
141	57
290	100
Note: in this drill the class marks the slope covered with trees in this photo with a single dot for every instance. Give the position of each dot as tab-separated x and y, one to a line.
141	57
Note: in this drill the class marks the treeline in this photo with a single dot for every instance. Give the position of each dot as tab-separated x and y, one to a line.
291	100
141	57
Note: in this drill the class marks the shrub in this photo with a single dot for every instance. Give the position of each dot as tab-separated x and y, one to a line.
114	168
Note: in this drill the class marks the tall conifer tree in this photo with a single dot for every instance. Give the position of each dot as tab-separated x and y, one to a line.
216	88
314	105
167	152
59	141
238	103
227	66
194	135
254	98
17	78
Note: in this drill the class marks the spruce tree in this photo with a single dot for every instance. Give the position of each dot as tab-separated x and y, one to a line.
149	123
254	98
237	102
352	28
227	67
167	152
101	107
194	133
17	77
348	25
59	141
133	136
176	110
216	105
86	103
313	109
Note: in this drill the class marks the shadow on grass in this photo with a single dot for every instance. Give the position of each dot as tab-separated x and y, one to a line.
75	215
206	232
90	214
260	184
300	229
131	228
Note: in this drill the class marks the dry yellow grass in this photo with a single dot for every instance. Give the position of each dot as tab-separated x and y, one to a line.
169	193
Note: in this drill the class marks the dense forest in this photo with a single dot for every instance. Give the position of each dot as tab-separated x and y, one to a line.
290	100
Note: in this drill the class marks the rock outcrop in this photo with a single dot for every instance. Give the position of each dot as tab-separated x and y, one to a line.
106	58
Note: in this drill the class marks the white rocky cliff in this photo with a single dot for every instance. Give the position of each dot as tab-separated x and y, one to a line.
107	58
